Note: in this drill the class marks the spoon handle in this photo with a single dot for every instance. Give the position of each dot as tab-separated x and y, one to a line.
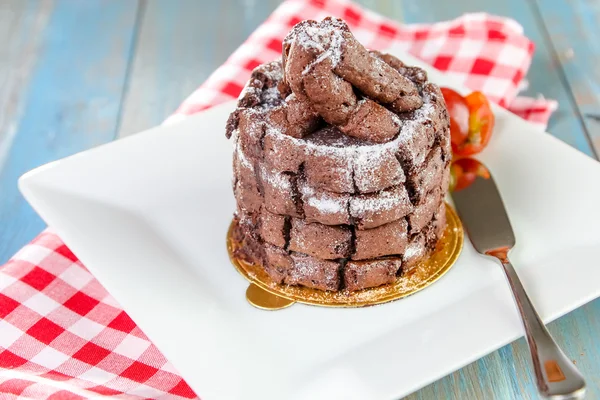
556	375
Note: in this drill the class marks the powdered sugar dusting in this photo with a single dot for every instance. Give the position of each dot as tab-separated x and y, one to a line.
414	249
351	159
308	267
356	158
273	72
249	87
326	205
243	159
326	38
275	179
382	201
235	135
379	66
325	202
343	145
430	175
347	147
271	97
413	126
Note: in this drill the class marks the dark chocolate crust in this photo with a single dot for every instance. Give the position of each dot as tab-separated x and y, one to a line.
341	163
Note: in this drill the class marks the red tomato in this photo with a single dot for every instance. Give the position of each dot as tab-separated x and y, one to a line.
458	109
471	121
464	171
481	125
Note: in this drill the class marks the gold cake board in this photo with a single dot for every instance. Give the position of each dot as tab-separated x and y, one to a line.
266	294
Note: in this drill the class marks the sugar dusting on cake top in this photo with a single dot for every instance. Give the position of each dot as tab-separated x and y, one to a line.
325	38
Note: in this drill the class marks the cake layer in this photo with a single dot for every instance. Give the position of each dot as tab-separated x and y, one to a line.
388	239
425	241
423	213
415	251
329	242
296	268
428	177
371	273
290	194
301	269
375	209
322	241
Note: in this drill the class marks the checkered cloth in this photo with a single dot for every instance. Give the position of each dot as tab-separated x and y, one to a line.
63	336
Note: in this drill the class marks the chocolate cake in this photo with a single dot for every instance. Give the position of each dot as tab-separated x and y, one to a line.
341	163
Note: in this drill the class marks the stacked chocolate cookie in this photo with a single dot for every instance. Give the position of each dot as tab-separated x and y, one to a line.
341	163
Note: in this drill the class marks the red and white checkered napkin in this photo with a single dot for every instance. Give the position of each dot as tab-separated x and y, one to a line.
62	336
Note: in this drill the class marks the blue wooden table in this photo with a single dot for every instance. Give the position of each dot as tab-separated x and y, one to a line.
76	74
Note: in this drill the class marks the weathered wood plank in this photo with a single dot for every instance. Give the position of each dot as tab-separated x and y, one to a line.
180	44
21	23
572	26
73	98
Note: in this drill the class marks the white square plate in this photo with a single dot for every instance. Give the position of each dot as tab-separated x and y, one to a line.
148	216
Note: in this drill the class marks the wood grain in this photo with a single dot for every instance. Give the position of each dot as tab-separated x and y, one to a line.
572	26
73	96
180	44
21	24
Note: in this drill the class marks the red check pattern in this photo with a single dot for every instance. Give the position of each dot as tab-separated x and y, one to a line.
63	336
480	51
59	328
